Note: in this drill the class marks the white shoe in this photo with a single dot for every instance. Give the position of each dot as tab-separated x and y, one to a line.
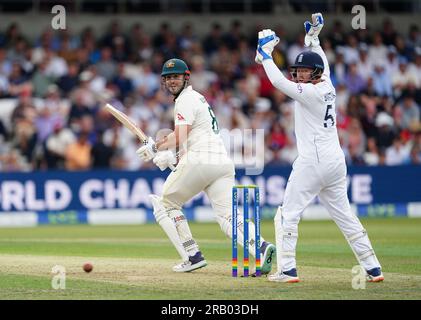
195	262
286	276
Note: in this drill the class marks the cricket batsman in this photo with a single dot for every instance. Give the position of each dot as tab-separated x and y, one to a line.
202	164
320	168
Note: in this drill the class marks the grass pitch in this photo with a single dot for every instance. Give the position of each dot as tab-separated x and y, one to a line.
134	262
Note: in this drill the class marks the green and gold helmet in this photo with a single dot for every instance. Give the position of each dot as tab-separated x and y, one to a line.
175	66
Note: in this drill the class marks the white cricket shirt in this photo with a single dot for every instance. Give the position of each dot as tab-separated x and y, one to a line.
315	116
191	108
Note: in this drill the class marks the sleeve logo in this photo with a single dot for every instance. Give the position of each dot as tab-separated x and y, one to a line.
180	117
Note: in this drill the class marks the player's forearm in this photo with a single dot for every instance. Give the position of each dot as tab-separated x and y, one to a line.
318	49
168	142
278	80
175	139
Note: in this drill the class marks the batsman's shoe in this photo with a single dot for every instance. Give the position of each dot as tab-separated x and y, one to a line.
289	276
268	253
195	262
375	275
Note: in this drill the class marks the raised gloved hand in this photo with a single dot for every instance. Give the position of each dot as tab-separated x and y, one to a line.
265	45
147	151
165	159
313	29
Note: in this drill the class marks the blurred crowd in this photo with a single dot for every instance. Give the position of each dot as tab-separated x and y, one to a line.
54	87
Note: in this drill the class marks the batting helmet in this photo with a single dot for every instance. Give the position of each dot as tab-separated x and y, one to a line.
175	66
309	59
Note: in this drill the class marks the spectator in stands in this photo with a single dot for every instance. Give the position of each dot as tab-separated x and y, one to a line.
392	61
354	81
4	134
201	77
56	145
381	80
403	76
377	52
5	63
337	34
70	80
77	111
397	153
116	40
106	67
415	67
86	91
351	53
232	37
25	138
364	64
68	47
410	112
213	40
371	155
18	81
123	83
385	134
146	81
41	80
25	108
56	65
102	154
78	154
339	69
388	33
414	37
295	48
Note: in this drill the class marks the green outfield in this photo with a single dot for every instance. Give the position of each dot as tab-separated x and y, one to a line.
134	262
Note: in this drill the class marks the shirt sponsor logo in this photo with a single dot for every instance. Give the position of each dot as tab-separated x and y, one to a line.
329	97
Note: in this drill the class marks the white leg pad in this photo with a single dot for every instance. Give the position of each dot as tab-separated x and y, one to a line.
363	250
286	242
161	216
226	226
183	230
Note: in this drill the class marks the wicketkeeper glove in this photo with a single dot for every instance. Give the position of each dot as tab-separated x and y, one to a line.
313	29
265	45
165	159
148	151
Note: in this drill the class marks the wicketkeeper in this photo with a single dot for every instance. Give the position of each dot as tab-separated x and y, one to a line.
320	168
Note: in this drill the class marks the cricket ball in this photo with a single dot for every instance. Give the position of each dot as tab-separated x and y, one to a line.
87	267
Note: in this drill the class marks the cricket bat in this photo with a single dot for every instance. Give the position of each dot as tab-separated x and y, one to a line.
129	124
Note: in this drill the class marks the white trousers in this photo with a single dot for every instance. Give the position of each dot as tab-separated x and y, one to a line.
195	174
328	181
